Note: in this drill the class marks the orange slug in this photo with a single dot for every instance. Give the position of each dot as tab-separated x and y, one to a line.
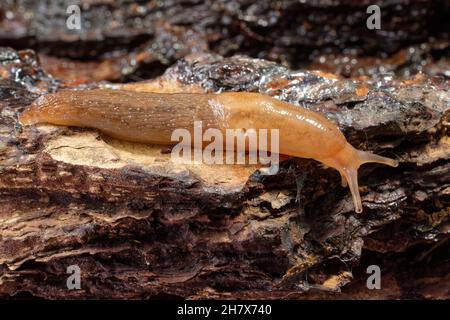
151	118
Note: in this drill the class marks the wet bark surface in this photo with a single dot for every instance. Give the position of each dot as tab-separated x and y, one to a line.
140	226
134	39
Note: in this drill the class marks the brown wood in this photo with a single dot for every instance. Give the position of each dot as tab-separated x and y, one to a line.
139	226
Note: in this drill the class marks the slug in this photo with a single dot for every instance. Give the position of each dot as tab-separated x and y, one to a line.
151	118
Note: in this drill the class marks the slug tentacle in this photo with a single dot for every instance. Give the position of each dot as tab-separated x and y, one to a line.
368	157
347	161
343	181
351	174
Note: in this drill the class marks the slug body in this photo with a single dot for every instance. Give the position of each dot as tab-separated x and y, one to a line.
152	117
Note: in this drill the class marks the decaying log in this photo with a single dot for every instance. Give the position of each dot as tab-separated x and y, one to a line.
143	38
139	225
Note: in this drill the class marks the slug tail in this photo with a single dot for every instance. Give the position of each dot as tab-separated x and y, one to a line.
34	113
366	157
27	118
351	175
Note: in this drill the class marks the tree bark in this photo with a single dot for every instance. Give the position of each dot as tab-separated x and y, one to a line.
138	225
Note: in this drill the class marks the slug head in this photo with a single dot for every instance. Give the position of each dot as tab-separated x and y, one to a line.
347	162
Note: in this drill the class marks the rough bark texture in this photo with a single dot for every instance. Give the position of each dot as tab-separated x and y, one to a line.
134	39
140	226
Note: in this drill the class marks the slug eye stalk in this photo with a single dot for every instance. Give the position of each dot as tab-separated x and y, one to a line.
349	172
368	157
